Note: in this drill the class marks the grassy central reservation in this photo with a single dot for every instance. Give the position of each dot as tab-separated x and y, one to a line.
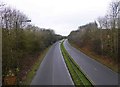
77	75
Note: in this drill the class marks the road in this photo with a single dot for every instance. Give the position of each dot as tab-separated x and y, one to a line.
53	70
96	72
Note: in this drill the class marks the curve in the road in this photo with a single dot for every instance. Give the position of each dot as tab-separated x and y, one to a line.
95	71
52	70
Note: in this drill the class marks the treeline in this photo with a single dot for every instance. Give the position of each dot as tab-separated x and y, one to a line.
102	39
20	40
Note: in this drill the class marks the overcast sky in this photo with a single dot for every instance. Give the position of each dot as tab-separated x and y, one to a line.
61	15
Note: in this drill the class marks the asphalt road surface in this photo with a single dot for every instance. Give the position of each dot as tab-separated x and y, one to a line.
53	70
96	72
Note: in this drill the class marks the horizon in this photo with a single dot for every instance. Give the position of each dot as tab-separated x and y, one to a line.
62	16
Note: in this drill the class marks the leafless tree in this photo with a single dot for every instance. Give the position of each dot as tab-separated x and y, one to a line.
114	14
12	18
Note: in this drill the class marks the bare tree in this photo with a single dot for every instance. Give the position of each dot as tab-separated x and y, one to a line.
12	18
114	14
1	7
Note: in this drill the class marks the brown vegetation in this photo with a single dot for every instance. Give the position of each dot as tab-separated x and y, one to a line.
21	42
100	42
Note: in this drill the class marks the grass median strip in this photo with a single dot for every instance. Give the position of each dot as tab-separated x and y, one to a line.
78	77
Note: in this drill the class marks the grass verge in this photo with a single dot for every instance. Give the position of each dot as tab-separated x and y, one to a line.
108	62
77	75
32	73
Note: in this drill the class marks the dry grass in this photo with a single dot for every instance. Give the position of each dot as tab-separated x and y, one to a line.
107	61
35	67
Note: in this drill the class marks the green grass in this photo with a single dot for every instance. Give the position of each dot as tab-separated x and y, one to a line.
77	75
31	74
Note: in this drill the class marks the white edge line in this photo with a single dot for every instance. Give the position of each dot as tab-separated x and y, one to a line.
83	71
92	58
65	65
